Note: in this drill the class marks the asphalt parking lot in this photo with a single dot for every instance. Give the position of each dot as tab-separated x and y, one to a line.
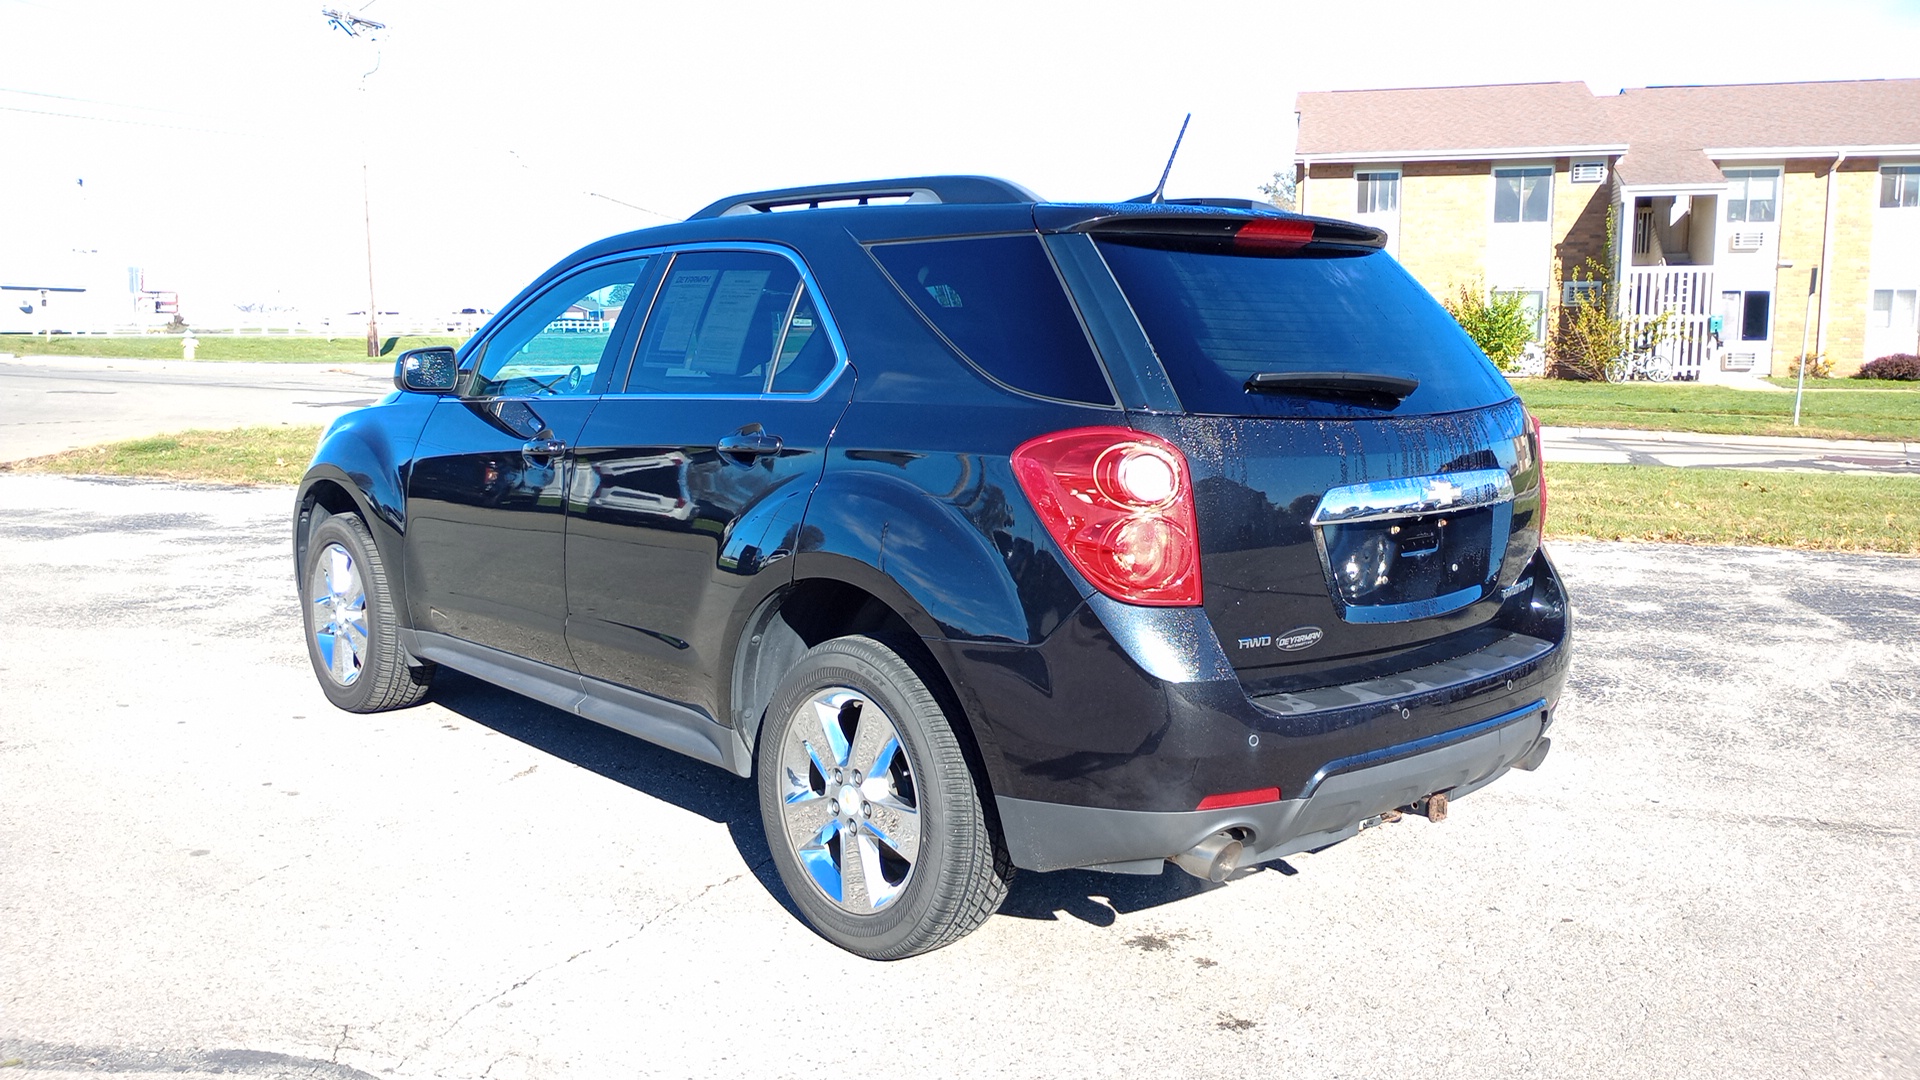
206	870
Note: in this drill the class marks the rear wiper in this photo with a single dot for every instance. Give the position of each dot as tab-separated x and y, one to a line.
1349	383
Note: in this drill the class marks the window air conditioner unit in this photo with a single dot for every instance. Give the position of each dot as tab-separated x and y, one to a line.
1736	361
1589	172
1747	241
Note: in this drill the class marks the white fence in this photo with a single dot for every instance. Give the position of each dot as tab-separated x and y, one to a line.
1685	295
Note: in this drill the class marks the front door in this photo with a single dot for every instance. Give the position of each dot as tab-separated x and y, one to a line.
486	495
691	481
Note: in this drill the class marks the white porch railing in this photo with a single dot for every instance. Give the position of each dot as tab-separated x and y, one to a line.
1685	294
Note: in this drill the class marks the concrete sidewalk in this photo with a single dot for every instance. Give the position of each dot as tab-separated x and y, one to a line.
1692	450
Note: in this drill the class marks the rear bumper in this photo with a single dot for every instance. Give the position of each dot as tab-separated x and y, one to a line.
1056	836
1103	740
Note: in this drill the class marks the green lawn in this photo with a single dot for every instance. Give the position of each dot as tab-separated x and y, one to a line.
276	348
1820	511
1833	408
252	455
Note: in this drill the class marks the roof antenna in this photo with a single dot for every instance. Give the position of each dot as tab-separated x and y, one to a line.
1161	188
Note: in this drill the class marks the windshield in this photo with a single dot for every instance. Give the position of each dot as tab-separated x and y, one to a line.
1217	320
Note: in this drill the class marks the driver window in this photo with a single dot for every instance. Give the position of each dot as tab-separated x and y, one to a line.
557	344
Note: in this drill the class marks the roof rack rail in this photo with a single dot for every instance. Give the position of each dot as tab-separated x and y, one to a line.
912	189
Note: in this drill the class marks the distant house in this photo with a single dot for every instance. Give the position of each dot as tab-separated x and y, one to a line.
1727	200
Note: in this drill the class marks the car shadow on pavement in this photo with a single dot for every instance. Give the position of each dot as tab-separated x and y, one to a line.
1101	898
713	793
721	797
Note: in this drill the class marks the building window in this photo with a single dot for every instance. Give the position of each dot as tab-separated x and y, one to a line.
1900	185
1532	302
1750	194
1893	309
1379	192
1522	194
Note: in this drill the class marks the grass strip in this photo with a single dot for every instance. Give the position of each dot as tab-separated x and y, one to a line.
1813	511
250	455
1887	411
268	348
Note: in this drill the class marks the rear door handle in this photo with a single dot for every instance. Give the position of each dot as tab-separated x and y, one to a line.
750	446
542	451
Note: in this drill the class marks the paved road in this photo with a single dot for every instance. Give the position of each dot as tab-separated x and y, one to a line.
1689	450
205	870
50	404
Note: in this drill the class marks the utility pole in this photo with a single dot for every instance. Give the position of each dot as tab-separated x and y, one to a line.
355	26
1813	286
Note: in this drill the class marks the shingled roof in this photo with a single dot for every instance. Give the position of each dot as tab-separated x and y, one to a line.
1665	130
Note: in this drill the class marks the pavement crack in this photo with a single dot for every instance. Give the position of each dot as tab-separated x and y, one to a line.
265	876
637	931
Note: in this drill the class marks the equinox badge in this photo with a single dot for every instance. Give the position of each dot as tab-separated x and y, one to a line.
1302	637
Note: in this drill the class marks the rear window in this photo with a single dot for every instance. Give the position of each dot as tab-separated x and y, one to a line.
998	300
1217	320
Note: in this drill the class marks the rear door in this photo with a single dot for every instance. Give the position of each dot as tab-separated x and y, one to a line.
1365	481
692	477
486	508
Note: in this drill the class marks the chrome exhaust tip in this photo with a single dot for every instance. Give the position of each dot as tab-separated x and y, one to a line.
1211	859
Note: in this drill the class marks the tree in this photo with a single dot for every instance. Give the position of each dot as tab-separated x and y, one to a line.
1280	190
1497	322
1590	332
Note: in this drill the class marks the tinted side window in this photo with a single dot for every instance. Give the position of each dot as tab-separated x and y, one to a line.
559	341
1217	320
999	302
805	355
717	325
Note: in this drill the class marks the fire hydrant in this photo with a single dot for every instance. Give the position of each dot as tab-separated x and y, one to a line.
188	343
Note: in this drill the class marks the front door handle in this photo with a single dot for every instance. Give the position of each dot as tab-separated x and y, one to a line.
755	444
541	452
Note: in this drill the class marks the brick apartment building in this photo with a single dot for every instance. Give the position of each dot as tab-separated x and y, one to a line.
1727	199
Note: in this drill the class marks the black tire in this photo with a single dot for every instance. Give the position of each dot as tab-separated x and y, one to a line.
355	649
955	874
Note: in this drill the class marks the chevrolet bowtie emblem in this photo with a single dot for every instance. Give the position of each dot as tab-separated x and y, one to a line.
1441	493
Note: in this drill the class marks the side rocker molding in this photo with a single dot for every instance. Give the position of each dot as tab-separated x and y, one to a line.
657	720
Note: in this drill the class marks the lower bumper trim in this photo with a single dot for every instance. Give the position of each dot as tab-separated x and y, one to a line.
1057	836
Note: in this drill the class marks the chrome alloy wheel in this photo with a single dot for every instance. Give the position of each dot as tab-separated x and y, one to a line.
339	600
848	803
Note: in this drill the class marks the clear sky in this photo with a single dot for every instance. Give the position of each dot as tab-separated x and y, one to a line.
221	141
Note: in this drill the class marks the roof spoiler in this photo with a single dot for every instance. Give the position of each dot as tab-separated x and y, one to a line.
1203	223
912	189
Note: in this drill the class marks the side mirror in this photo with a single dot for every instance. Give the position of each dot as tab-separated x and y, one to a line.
431	370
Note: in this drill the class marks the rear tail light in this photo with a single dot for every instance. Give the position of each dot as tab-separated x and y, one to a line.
1120	505
1540	470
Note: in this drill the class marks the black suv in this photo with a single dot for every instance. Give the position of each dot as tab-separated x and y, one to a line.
986	532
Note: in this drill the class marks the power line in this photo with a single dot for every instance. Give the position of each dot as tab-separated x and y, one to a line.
117	120
96	101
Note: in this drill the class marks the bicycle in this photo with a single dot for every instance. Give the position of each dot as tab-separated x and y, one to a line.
1645	364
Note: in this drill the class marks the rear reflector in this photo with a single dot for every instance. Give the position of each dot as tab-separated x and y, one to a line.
1239	798
1273	234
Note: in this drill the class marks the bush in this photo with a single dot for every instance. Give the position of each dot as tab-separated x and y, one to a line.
1499	324
1816	364
1902	366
